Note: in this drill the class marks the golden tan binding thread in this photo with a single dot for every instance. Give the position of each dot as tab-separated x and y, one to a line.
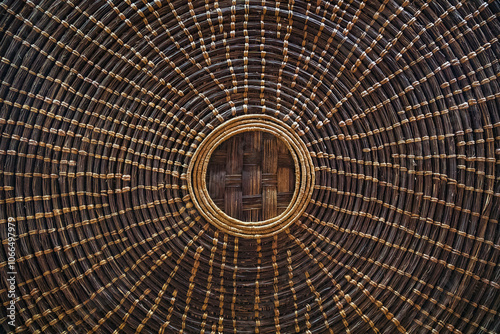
304	177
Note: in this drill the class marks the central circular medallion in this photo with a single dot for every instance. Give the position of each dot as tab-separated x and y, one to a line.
251	177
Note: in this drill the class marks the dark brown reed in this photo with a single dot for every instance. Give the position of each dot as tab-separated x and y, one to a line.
251	176
374	207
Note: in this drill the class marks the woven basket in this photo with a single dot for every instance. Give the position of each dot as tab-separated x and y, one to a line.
249	166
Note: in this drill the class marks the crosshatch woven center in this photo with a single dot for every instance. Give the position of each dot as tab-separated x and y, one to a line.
251	176
146	184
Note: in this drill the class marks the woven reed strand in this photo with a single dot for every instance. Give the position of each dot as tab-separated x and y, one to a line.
251	176
103	104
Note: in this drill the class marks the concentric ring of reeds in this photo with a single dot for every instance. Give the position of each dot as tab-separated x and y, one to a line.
304	177
103	104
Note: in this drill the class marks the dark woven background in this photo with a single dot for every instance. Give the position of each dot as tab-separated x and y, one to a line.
103	104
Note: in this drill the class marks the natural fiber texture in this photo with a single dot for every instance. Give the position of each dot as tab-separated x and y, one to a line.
104	104
251	176
272	223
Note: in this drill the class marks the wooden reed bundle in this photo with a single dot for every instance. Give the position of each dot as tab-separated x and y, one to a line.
110	114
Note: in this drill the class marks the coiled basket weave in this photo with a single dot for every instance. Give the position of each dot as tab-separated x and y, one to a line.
249	166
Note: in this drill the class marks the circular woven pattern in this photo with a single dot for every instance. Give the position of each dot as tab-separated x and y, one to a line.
104	104
251	176
304	177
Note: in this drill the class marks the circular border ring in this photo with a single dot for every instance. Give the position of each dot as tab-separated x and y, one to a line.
304	177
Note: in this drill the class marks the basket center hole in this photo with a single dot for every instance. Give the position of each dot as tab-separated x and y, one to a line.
251	176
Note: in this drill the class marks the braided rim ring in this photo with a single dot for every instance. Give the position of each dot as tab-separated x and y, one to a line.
304	177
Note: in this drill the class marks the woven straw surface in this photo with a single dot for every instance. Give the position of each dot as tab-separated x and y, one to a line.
103	105
251	176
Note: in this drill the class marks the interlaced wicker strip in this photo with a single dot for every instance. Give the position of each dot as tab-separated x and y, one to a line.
105	104
200	172
251	176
